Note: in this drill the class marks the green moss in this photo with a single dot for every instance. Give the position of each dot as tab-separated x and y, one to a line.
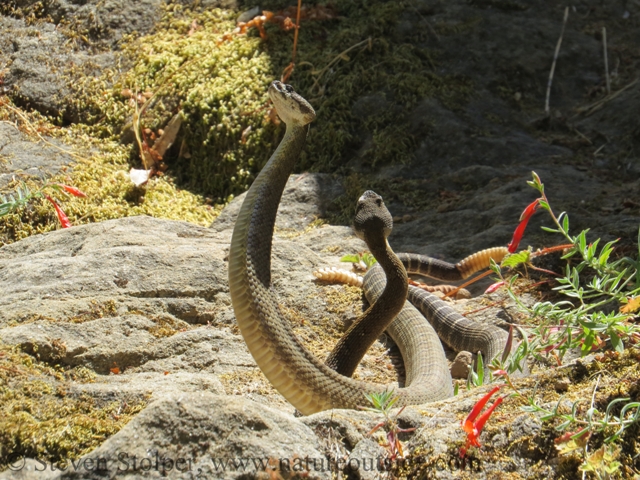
102	174
165	326
39	419
96	310
220	87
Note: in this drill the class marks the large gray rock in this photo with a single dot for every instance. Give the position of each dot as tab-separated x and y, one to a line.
306	198
186	435
144	295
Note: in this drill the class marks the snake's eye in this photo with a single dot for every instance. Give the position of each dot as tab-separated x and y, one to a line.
379	202
288	88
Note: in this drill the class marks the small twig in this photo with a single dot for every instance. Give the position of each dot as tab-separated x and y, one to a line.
555	58
431	29
606	60
599	148
544	270
494	304
35	131
286	73
452	293
340	56
295	35
548	250
594	107
583	135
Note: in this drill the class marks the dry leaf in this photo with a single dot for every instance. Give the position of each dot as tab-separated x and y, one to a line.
168	136
632	306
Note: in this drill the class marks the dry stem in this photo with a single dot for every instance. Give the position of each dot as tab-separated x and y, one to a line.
555	59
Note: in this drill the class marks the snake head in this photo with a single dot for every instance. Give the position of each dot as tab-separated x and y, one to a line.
291	107
372	216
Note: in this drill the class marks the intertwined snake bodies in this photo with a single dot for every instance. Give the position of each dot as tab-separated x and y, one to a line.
305	381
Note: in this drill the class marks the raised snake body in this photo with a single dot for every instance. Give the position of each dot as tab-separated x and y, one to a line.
305	381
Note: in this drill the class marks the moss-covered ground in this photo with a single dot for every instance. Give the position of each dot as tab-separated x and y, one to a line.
41	418
219	88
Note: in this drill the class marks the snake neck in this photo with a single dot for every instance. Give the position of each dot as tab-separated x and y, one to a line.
252	238
351	348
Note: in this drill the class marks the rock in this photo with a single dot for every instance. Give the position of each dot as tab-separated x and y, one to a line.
110	295
562	385
461	364
306	197
20	156
27	469
182	435
42	69
366	460
343	427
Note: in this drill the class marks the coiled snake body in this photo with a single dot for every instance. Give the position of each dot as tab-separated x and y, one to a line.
305	381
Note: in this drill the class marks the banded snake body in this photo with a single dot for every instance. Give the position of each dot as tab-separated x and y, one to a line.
304	380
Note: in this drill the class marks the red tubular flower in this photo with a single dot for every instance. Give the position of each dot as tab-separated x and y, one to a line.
473	424
72	190
482	419
64	220
524	219
494	286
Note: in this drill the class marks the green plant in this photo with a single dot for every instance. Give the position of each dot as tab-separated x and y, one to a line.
383	403
11	203
24	195
361	261
593	282
476	375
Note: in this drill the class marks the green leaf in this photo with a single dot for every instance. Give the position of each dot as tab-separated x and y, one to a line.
582	242
588	343
369	260
616	342
480	369
570	253
516	259
495	268
536	183
350	258
565	223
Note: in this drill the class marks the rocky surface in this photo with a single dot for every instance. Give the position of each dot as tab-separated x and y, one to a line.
21	157
149	298
144	303
41	70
